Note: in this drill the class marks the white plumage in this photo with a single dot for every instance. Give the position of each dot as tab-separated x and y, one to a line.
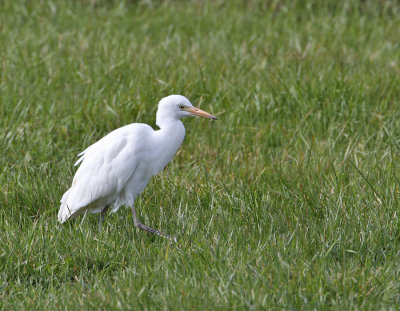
116	169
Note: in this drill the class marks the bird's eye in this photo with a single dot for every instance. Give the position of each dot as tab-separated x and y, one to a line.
181	106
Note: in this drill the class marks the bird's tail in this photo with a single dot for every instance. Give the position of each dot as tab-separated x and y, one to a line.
64	213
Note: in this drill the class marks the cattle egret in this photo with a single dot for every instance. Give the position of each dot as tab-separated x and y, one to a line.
116	169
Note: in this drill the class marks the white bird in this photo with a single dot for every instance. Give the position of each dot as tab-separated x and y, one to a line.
116	169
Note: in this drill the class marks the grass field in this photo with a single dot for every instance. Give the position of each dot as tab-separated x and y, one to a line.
289	201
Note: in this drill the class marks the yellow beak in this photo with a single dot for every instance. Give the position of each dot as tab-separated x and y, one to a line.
200	113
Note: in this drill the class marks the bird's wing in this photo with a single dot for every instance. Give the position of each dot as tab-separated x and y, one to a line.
106	166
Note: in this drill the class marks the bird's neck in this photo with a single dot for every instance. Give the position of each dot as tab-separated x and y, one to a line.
169	138
170	125
171	133
164	118
172	128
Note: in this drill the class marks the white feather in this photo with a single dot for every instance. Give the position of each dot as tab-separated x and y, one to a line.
116	169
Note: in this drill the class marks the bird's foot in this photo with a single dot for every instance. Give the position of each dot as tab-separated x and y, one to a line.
154	231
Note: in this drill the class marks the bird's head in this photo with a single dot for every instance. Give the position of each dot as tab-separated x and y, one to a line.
178	107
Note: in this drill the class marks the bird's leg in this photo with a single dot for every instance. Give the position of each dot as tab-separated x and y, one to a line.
139	225
102	217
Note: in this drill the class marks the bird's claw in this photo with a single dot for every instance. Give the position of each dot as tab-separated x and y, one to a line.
172	239
154	231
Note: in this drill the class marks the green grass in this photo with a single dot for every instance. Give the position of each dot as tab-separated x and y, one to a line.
289	201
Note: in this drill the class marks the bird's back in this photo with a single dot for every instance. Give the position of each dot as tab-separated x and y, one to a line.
105	168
